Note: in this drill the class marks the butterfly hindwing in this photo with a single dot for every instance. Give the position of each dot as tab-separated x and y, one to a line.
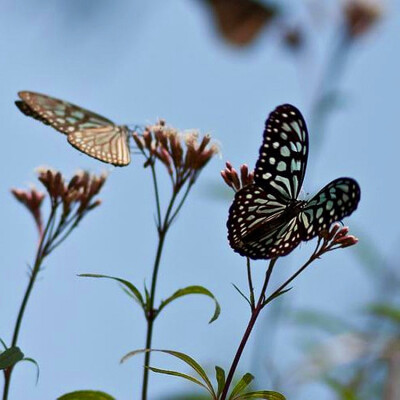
61	115
108	144
335	201
283	154
260	227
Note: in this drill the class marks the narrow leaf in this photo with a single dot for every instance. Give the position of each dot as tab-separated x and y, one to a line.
220	374
3	343
182	356
86	395
242	294
276	295
241	385
193	290
10	357
385	310
34	362
179	374
130	287
262	394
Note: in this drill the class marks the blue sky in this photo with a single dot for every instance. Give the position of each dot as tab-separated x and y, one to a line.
134	62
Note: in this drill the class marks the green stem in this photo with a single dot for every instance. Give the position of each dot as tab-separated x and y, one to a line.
250	326
35	270
251	287
313	257
151	312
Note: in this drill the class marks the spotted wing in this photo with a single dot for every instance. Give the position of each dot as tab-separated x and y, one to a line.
335	201
283	154
61	115
109	144
259	226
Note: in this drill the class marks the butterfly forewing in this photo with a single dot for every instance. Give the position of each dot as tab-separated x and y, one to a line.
108	144
89	132
61	115
283	154
335	201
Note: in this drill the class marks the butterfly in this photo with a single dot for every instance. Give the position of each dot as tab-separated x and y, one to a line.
266	220
87	131
241	21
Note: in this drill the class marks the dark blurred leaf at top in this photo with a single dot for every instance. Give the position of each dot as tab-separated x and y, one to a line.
241	21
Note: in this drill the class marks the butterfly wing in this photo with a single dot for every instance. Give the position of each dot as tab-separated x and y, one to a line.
257	225
283	154
109	144
61	115
335	201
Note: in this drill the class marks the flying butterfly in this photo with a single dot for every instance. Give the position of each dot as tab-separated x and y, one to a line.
241	21
266	220
87	131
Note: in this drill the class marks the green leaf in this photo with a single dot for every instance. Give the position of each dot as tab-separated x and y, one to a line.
3	343
385	310
179	374
10	357
321	320
193	290
86	395
242	294
34	362
345	393
276	295
262	394
128	286
241	385
182	356
220	374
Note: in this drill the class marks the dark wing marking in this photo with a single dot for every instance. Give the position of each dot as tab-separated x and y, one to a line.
335	201
283	154
61	115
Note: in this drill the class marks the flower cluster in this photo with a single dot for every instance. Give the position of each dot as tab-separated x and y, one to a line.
337	237
70	201
181	152
232	179
361	16
79	191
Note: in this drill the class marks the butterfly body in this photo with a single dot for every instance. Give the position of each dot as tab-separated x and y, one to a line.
266	220
87	131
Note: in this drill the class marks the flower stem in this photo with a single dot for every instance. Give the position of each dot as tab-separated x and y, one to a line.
151	314
35	270
250	326
151	311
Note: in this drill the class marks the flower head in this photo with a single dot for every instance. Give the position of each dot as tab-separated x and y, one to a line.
32	199
361	16
79	191
183	154
337	237
232	179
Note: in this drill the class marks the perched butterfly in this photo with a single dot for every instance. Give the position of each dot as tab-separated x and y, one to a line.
90	133
241	21
266	220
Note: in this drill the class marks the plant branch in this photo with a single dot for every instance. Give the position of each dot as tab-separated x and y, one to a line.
248	331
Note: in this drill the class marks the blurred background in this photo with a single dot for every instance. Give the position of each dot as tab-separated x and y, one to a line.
220	67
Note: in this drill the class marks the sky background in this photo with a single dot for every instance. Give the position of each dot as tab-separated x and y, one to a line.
136	61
